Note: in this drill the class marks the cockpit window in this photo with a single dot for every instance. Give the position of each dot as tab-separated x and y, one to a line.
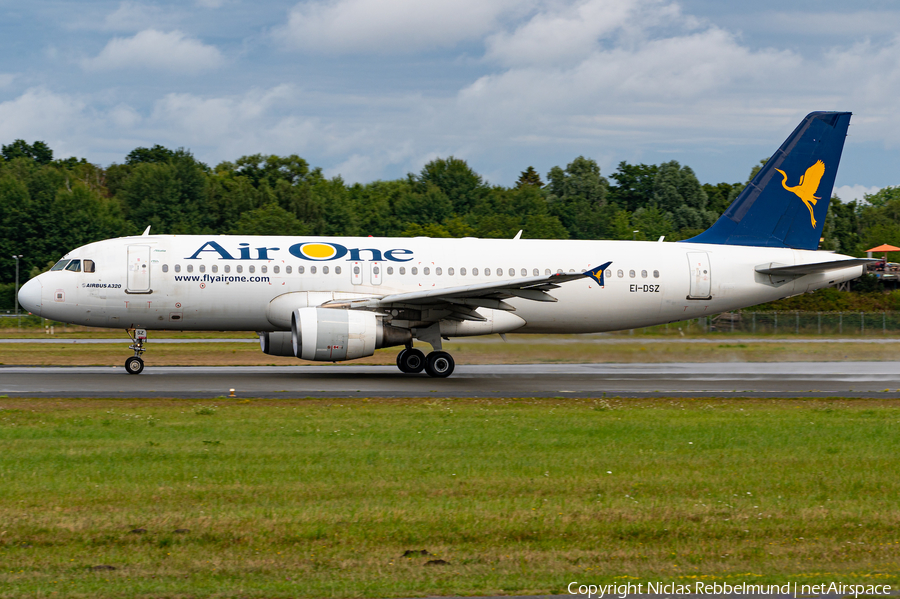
60	265
74	266
88	266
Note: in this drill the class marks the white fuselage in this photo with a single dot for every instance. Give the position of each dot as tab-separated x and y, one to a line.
228	282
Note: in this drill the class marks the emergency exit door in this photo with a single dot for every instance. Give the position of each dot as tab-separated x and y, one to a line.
138	269
701	275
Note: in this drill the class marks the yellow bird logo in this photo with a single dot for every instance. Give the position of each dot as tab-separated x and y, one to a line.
809	184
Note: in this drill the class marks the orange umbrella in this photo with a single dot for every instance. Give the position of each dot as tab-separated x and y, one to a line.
885	248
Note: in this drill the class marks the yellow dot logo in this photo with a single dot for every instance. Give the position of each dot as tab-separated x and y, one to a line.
318	251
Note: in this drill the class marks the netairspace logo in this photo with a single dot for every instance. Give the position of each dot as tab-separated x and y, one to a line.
623	590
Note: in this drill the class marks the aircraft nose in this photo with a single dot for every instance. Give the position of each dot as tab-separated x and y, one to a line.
30	296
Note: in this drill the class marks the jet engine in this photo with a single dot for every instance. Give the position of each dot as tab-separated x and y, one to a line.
276	343
333	335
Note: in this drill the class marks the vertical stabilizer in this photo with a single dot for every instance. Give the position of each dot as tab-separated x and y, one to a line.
786	202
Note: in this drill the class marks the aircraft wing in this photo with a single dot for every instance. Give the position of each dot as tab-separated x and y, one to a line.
773	268
462	300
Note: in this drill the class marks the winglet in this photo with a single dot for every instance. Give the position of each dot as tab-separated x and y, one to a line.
597	273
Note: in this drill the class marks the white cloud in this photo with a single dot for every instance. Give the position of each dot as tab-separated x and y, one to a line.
134	16
154	49
857	23
6	79
390	26
848	193
39	114
561	31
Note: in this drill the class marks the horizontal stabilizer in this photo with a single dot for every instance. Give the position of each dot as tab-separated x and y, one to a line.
773	268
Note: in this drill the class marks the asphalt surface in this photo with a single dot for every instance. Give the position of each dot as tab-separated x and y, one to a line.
514	339
757	379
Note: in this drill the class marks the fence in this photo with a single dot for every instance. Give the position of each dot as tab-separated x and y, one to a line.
785	323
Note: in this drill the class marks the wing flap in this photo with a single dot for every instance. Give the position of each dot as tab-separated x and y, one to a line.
487	295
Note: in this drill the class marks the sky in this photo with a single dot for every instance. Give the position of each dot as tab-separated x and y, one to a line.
374	89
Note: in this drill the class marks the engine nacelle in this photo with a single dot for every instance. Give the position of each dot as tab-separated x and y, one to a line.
276	343
333	335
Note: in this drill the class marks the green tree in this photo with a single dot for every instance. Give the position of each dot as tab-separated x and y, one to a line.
154	155
456	179
529	177
430	205
634	185
39	152
576	196
170	196
270	219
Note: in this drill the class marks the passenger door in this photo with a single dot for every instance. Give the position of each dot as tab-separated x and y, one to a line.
138	269
701	275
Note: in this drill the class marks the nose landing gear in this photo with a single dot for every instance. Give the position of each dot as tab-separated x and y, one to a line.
134	364
438	364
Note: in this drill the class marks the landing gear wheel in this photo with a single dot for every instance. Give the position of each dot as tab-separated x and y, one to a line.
134	365
411	361
439	364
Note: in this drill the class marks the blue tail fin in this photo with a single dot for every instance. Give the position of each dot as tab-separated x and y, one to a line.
786	202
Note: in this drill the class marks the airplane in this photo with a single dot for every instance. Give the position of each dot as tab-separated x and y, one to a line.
341	298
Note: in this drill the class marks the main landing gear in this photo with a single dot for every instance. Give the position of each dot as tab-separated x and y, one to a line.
438	364
134	364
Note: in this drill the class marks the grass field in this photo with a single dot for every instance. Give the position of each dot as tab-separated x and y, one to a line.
322	497
535	350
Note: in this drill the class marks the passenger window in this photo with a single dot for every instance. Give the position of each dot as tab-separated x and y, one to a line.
462	271
402	270
426	271
620	274
215	268
74	266
437	271
631	273
560	271
88	266
301	269
202	268
239	268
413	271
177	268
655	274
450	271
535	272
608	273
356	270
276	269
263	269
499	272
251	269
512	272
337	270
60	265
390	270
546	271
287	270
165	268
324	270
474	272
643	274
190	268
227	268
312	270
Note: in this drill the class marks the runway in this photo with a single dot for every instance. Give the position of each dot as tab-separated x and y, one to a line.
757	379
